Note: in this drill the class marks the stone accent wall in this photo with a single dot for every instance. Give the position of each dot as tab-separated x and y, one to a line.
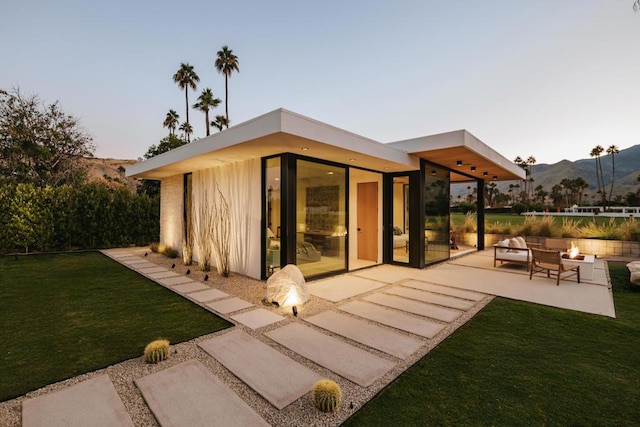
601	248
171	211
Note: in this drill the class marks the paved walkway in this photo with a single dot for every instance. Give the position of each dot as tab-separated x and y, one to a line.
380	318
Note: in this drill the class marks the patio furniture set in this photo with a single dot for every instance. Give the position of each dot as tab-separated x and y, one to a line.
555	259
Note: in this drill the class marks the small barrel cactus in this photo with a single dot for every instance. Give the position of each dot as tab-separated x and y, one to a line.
156	351
326	395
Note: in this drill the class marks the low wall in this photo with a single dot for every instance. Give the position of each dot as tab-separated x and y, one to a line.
601	248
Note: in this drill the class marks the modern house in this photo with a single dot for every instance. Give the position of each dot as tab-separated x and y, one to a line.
303	192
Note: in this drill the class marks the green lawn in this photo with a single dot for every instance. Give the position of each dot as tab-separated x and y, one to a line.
64	315
517	363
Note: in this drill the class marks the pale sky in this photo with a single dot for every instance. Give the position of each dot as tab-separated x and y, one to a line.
546	78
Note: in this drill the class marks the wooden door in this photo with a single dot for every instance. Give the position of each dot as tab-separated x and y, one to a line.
368	221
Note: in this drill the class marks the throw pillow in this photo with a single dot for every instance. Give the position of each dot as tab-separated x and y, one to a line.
521	241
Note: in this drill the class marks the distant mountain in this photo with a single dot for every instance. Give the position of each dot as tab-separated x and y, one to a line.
548	175
109	171
627	170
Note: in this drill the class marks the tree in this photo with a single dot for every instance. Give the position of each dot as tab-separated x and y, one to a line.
612	151
220	122
596	152
167	143
187	129
171	121
226	63
206	100
39	143
186	78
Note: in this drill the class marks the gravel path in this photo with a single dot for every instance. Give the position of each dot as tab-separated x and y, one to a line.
300	412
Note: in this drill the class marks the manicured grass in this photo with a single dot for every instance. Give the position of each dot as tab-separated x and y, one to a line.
517	363
67	314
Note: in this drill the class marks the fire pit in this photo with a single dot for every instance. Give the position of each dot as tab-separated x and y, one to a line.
577	257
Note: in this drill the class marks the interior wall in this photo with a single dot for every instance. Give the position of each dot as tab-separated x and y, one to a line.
399	206
171	209
240	183
356	176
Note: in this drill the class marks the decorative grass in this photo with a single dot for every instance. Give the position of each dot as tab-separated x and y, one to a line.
517	363
67	314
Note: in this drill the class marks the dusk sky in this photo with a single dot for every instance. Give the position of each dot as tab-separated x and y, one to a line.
550	79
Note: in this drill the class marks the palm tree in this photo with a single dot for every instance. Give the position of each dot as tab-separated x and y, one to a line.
186	78
226	63
171	121
612	150
220	122
187	129
206	100
596	152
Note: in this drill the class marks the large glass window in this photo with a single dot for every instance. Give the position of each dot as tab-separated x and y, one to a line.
321	218
438	240
400	219
272	214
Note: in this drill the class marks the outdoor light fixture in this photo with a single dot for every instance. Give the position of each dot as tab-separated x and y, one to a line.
485	173
433	172
295	311
473	168
459	163
305	148
495	177
352	159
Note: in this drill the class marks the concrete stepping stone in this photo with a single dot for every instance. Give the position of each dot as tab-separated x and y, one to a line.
385	273
152	270
93	402
188	394
276	377
208	295
390	342
431	298
352	363
163	275
120	254
172	281
258	318
342	287
139	263
190	287
455	292
395	319
419	308
230	305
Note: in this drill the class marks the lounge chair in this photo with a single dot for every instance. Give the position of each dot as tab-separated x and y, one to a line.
551	263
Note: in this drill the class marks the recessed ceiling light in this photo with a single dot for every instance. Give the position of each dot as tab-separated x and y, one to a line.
459	163
329	173
386	168
433	172
352	159
473	168
495	177
305	148
485	173
277	179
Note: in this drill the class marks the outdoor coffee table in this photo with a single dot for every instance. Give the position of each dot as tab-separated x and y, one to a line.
586	265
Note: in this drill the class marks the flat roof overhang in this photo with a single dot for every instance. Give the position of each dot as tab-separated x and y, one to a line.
273	133
450	148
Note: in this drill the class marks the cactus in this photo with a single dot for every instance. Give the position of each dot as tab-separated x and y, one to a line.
326	395
156	351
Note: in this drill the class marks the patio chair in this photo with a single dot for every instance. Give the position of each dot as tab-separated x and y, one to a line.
551	263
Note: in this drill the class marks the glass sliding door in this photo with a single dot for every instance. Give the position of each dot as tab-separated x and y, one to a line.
321	218
436	206
272	214
400	215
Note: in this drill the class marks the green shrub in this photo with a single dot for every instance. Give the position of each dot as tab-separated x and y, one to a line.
518	208
170	252
156	351
326	395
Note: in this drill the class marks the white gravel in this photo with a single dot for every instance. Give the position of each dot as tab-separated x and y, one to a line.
300	412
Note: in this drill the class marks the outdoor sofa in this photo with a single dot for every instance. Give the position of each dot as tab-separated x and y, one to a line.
515	249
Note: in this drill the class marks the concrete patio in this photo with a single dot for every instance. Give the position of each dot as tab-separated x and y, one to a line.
371	332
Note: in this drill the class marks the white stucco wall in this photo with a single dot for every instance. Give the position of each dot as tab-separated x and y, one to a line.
171	202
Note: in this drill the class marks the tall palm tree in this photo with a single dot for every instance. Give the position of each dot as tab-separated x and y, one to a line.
171	121
596	152
612	150
220	122
187	129
186	78
226	63
206	100
530	162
